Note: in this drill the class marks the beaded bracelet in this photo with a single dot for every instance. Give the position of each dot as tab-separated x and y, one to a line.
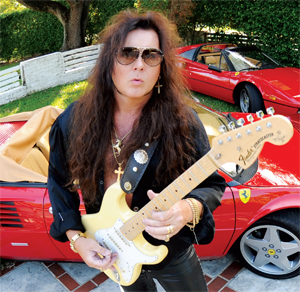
196	213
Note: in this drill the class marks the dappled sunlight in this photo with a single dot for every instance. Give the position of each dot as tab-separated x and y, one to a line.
68	94
9	112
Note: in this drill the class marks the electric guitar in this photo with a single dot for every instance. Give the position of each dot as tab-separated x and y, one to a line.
119	229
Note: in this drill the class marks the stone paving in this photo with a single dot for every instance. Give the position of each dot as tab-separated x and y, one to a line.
222	275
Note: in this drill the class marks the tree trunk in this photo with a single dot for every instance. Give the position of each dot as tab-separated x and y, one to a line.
73	19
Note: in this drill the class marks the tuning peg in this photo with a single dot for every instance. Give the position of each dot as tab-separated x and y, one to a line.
270	111
231	126
260	114
240	122
222	129
250	118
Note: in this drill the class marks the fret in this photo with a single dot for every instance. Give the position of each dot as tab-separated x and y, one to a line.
170	196
212	159
173	192
194	177
197	163
156	205
166	201
184	184
162	203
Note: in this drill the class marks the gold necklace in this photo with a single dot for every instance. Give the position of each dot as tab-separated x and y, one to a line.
117	151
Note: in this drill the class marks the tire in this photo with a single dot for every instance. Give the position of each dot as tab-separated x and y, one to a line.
250	99
271	246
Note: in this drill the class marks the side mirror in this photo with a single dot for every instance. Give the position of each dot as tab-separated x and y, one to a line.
214	68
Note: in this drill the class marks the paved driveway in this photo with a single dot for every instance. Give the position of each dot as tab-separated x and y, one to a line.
226	275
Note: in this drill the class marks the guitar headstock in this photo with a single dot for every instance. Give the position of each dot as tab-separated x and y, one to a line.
242	145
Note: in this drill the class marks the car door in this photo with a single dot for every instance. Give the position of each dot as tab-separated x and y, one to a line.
22	230
225	219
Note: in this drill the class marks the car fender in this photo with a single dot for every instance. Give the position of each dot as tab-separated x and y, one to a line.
289	201
269	92
282	202
241	83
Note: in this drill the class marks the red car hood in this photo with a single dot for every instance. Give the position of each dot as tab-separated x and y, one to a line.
285	80
278	165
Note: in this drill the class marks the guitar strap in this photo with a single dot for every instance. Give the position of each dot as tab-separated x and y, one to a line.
136	166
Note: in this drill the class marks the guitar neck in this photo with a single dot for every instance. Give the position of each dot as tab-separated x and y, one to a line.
178	189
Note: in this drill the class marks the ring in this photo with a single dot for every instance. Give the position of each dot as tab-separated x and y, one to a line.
168	229
172	229
168	238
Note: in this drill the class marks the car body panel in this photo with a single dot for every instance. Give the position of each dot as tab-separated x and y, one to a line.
27	206
279	86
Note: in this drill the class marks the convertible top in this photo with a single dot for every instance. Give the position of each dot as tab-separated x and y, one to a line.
28	147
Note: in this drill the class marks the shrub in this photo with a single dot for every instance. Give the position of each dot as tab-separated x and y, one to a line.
29	33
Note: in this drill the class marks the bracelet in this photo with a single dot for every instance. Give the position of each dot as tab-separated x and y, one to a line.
196	213
73	239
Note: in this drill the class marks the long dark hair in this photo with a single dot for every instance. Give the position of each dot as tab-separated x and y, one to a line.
165	115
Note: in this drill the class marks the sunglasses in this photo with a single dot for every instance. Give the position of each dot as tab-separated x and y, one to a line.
151	56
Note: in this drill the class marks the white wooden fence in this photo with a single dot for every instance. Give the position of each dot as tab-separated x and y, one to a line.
10	78
47	71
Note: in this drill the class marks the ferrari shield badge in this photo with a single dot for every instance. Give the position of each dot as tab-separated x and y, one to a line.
245	195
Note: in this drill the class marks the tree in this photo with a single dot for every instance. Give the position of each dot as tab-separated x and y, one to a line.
73	15
178	11
8	6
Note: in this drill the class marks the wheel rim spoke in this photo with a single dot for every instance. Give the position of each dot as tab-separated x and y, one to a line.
271	249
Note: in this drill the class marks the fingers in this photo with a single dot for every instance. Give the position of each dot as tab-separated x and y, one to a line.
162	233
96	256
165	224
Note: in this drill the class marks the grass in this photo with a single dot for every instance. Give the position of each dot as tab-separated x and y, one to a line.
5	66
61	96
216	104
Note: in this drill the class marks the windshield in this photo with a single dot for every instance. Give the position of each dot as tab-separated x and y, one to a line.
250	58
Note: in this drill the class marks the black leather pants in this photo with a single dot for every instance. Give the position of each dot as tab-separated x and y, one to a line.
182	275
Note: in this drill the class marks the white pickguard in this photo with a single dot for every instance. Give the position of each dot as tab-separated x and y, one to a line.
128	254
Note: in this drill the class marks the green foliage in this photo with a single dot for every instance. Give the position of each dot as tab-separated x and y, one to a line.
8	6
275	23
28	33
272	25
100	13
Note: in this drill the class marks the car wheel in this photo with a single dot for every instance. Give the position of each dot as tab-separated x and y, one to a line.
271	247
250	99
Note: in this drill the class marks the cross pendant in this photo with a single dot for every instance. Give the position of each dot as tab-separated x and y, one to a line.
158	86
119	172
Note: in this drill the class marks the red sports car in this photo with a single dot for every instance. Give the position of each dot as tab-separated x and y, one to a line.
259	215
245	76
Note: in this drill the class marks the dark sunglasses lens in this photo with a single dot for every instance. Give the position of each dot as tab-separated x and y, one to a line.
152	57
127	56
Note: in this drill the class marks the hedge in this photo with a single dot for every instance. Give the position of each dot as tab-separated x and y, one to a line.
274	25
271	24
29	33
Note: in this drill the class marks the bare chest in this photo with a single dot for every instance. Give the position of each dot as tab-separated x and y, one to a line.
112	173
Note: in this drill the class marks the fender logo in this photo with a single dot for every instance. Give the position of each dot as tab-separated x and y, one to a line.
251	151
247	157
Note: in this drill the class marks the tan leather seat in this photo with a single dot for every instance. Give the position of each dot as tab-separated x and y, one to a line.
43	144
212	60
36	161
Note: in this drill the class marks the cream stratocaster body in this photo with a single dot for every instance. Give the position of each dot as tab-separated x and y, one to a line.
119	229
107	227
